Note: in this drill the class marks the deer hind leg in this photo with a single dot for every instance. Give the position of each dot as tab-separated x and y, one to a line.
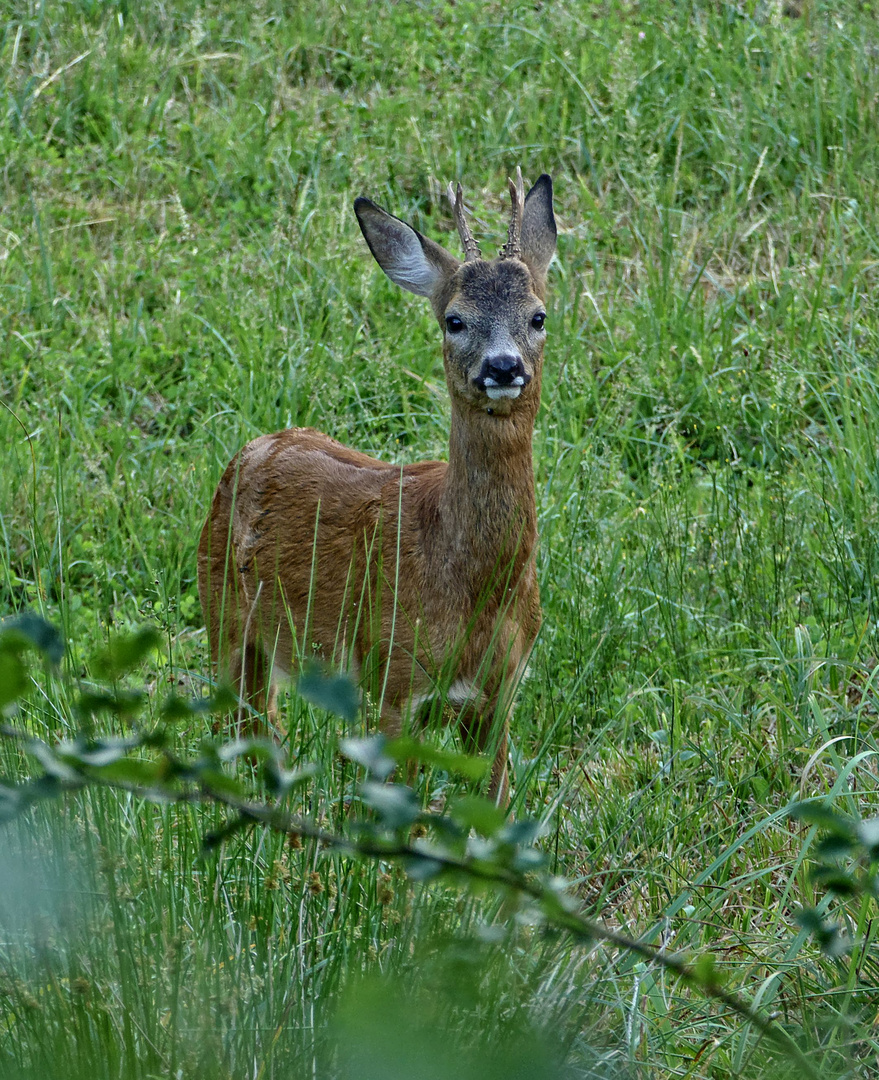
252	677
230	611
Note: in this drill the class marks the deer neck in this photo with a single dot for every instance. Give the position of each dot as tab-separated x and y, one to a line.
487	510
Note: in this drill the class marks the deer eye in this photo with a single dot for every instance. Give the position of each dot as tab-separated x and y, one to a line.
538	320
454	325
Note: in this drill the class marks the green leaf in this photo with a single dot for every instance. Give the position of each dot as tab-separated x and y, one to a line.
396	806
868	834
33	630
175	708
53	765
370	753
475	812
126	652
223	699
830	937
839	944
282	781
138	772
557	903
96	752
13	676
522	833
450	830
834	879
528	860
422	867
810	920
834	847
405	748
124	703
706	972
11	802
157	739
330	690
817	813
213	780
261	749
50	787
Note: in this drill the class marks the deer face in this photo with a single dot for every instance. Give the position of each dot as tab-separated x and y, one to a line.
491	313
493	334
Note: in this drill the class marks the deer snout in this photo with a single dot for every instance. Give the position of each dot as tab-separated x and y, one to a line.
503	376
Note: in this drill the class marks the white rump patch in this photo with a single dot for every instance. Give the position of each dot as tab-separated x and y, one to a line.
462	692
416	701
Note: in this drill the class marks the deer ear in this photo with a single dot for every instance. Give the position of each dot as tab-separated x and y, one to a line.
410	260
538	230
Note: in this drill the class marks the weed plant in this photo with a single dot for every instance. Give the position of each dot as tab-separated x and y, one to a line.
180	270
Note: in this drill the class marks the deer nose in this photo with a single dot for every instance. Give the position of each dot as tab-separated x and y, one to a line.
506	370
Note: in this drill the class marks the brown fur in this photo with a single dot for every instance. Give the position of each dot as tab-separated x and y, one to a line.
419	578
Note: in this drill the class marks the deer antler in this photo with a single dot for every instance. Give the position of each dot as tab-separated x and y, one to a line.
471	248
512	249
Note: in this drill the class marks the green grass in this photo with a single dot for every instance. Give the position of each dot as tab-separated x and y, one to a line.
180	269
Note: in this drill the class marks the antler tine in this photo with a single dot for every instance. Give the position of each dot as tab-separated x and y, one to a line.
512	249
471	248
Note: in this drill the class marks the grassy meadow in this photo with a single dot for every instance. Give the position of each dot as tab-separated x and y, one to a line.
181	270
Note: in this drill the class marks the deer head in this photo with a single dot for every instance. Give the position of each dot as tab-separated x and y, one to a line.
492	313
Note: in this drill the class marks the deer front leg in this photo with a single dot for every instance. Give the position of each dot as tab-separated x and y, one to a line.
486	727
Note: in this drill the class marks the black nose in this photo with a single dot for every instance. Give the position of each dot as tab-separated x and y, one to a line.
505	371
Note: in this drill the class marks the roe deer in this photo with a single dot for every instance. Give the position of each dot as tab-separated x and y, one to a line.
420	579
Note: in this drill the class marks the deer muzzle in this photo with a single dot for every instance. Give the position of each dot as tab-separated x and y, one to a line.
502	376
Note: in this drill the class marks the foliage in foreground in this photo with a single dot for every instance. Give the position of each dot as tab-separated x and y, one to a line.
471	842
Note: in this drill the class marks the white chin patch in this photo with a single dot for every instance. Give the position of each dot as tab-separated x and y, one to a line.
496	392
